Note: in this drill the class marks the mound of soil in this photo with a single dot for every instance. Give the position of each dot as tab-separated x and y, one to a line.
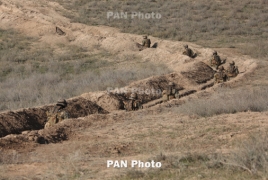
35	118
199	73
111	102
28	140
26	119
81	107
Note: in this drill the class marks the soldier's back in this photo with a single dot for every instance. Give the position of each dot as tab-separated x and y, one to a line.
232	71
52	119
55	116
217	59
147	43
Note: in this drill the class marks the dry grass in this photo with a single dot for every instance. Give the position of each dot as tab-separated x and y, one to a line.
250	155
191	166
248	160
186	146
31	76
210	23
42	75
227	100
58	165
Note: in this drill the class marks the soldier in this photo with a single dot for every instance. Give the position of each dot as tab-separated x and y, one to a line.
164	96
220	76
216	60
170	93
146	42
133	104
188	51
232	71
58	113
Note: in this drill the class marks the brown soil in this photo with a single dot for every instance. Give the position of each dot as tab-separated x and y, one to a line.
99	129
201	73
35	118
188	73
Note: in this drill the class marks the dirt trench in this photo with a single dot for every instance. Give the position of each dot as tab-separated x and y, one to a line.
14	122
148	91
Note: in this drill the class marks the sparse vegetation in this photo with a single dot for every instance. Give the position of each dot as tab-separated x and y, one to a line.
251	155
42	75
210	23
189	166
187	146
227	100
248	160
67	165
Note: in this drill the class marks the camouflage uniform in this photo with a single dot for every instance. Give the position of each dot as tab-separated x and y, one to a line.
220	76
164	96
216	60
188	52
58	114
146	42
133	104
170	92
232	71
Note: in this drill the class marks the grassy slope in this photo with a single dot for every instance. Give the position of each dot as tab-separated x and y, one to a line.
35	74
235	24
210	23
241	24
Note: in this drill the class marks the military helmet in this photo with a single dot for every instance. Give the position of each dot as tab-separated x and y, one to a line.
232	63
164	92
215	52
145	37
185	46
171	84
62	102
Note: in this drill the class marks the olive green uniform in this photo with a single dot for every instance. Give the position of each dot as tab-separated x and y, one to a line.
232	71
170	93
55	116
146	42
220	77
189	52
215	61
133	104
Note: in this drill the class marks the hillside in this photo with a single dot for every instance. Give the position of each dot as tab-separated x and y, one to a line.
211	132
